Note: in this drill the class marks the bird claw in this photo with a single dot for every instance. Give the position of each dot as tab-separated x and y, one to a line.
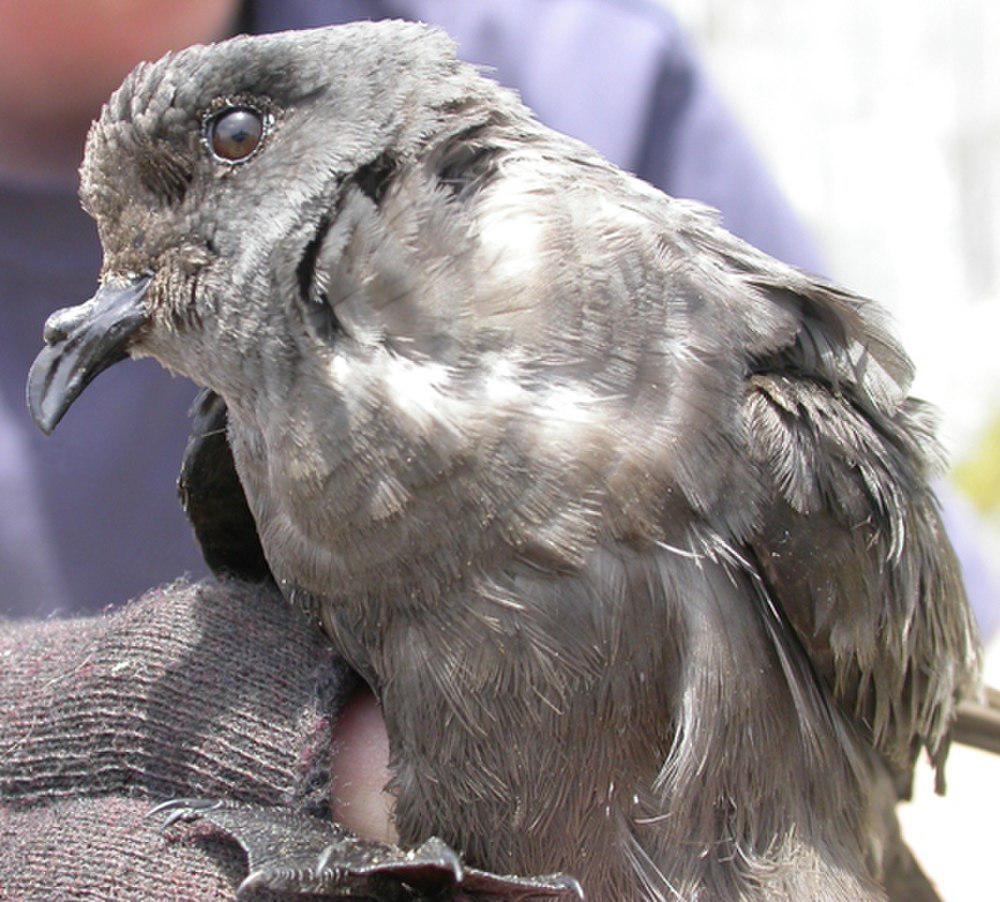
483	884
182	810
289	852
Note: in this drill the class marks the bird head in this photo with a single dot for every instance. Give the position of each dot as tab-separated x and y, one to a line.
214	176
376	255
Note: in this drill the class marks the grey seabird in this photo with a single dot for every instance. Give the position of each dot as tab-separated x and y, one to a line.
626	524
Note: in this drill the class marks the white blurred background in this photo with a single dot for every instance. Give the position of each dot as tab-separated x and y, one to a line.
880	119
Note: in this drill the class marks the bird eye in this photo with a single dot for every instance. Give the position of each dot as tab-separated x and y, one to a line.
235	133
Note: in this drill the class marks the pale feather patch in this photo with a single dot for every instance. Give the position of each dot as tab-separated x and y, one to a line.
501	386
340	369
512	231
415	384
571	415
419	390
569	404
387	498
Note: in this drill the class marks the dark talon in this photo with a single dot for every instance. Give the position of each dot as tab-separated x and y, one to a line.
165	806
193	804
425	864
572	885
259	879
298	853
324	858
182	809
549	886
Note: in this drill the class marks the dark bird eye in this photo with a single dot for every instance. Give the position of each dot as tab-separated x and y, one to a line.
235	133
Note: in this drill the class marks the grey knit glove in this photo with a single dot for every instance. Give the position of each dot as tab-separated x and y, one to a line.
215	690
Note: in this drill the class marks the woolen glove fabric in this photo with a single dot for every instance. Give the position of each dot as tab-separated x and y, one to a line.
104	848
212	689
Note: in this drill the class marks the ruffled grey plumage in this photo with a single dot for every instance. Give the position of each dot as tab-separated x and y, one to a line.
628	524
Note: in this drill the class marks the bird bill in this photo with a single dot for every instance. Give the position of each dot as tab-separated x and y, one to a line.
80	343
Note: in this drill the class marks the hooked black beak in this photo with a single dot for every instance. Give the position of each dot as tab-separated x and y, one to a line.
81	342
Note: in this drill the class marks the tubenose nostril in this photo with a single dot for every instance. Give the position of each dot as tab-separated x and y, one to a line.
62	323
56	327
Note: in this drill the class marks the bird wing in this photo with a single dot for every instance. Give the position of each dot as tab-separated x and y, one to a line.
853	551
213	497
848	542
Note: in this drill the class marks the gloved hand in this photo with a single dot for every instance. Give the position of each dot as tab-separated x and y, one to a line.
213	689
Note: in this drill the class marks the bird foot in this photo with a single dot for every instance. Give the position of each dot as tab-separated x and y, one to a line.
289	852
